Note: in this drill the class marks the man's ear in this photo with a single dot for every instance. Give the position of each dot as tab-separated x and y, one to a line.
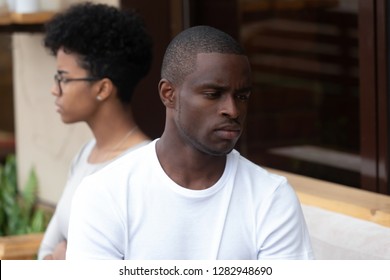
167	93
105	89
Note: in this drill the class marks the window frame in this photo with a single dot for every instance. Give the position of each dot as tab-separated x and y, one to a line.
374	108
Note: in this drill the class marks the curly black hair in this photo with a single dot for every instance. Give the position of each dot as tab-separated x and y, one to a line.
110	43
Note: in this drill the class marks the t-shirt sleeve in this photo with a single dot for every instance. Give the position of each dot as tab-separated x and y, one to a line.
53	234
282	228
95	229
51	238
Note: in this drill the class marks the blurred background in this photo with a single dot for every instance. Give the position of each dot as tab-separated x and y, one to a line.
319	107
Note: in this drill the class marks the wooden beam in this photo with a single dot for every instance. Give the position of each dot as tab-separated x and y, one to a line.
345	200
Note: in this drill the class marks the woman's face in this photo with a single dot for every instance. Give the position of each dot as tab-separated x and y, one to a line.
75	99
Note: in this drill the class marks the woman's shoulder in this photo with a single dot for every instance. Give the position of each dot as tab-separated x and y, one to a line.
83	153
134	156
137	146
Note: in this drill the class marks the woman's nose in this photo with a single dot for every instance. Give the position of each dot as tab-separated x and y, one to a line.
55	90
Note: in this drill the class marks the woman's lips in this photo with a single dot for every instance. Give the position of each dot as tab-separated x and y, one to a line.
57	108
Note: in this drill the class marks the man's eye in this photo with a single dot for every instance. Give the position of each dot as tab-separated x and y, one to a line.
212	94
242	97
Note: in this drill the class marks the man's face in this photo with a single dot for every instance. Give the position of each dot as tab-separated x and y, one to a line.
212	102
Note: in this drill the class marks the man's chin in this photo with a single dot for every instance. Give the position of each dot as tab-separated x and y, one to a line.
221	152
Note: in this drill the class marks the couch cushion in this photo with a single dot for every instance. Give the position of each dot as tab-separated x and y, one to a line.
338	237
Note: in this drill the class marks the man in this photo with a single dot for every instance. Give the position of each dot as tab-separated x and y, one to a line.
188	194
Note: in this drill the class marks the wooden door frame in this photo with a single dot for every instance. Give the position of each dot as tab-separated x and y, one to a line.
374	107
147	107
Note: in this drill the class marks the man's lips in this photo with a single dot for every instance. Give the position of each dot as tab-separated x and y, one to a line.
228	132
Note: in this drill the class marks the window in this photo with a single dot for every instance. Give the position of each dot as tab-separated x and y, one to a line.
305	106
319	106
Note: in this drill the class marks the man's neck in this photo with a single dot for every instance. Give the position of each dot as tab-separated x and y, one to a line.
190	168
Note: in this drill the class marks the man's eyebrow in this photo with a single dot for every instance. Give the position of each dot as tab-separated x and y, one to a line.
213	86
245	89
224	87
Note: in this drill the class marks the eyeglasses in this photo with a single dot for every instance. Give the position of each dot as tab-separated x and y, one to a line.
60	79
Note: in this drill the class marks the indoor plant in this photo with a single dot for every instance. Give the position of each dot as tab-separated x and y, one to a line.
22	221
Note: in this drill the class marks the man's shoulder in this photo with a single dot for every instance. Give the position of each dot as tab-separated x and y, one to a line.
262	184
250	169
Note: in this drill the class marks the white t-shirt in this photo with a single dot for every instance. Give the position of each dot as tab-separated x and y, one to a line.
132	210
57	229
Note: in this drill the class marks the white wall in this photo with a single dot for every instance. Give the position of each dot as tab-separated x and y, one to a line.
42	140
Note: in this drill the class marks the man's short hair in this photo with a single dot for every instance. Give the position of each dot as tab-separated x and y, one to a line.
180	56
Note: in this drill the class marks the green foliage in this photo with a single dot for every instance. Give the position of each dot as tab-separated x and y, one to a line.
18	211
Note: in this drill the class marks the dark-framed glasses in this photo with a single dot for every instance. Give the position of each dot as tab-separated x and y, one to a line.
60	79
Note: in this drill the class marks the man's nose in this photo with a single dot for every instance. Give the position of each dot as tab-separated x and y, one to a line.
229	107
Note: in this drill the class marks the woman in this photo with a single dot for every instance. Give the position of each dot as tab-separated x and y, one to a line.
101	53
